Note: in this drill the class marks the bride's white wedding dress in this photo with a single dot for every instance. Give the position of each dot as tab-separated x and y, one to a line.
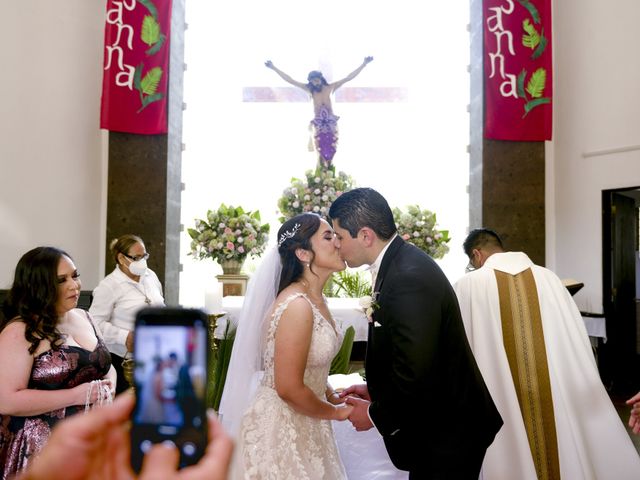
276	442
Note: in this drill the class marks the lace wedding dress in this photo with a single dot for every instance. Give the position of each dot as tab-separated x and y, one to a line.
275	441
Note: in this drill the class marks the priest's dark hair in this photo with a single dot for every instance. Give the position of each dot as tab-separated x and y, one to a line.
482	238
363	207
34	294
295	233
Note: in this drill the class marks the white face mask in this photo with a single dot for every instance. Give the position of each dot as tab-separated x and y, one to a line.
138	267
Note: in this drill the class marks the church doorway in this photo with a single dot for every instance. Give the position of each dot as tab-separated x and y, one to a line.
620	355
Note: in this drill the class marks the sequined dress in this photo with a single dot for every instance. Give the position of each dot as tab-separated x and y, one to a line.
275	441
23	437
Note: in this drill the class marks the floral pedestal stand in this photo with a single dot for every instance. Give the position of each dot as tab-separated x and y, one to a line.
233	282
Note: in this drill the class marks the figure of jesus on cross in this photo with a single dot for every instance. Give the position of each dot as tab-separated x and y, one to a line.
325	123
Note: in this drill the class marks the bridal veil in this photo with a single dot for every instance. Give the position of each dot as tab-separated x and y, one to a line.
245	366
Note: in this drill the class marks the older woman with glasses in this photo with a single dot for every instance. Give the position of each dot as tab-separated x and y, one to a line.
118	297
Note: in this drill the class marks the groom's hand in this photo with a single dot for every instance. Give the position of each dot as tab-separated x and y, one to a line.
359	390
360	415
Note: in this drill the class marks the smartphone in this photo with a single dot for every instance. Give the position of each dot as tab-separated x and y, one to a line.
171	346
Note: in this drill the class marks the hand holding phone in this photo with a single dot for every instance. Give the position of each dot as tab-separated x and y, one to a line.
170	378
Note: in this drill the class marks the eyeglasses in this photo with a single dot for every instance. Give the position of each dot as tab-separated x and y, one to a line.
137	258
469	267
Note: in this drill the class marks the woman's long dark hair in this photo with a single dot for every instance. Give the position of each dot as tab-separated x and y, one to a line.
34	294
295	233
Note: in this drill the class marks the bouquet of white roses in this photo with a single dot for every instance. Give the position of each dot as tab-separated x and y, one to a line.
418	226
315	193
228	233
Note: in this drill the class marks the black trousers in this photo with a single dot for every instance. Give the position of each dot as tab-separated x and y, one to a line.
461	467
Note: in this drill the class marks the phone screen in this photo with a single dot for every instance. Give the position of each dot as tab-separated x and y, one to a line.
170	355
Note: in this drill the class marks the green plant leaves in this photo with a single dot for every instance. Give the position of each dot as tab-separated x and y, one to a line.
536	84
149	83
533	11
532	37
150	33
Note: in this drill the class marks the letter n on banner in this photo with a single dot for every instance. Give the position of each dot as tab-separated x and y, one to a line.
136	66
517	69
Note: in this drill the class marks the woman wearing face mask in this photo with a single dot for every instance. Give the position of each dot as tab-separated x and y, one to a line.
118	297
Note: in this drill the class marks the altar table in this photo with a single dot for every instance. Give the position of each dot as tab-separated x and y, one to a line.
345	311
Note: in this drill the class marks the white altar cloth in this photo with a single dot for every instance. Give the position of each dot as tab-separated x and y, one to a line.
345	311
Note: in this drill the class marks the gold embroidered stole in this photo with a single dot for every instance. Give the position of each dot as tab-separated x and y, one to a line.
524	344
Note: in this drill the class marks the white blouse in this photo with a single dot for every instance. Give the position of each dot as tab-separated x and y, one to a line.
117	299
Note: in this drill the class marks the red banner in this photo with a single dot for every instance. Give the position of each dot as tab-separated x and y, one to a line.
517	69
136	66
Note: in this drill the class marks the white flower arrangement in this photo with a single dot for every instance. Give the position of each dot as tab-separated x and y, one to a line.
315	193
228	233
418	226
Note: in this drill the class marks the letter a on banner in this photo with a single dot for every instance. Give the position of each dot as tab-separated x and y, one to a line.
517	69
136	66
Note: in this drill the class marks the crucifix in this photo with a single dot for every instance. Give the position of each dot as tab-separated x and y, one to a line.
325	121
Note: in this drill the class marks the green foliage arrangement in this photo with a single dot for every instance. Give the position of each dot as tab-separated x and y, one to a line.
228	233
348	284
218	366
340	363
315	193
418	226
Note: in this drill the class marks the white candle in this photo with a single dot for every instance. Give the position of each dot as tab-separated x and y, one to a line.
213	298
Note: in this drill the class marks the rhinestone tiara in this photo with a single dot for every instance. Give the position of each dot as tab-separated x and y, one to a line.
288	234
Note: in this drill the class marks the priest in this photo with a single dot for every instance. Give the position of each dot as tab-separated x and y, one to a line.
532	348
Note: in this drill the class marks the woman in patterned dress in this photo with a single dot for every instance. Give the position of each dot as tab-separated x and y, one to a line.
53	362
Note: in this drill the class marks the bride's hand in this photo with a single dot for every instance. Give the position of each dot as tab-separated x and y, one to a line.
334	398
342	411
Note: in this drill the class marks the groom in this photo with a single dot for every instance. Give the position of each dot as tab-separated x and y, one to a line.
424	392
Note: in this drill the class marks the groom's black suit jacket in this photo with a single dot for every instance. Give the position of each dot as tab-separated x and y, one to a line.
429	400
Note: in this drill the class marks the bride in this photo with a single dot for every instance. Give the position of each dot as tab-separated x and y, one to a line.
276	399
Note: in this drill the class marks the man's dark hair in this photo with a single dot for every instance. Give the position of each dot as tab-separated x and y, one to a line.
363	207
481	238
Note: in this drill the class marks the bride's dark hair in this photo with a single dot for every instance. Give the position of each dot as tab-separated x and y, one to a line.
295	233
34	294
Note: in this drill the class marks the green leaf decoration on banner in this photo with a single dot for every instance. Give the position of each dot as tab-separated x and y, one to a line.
541	47
149	83
137	77
153	50
535	103
148	100
150	33
532	38
521	79
149	5
533	11
536	84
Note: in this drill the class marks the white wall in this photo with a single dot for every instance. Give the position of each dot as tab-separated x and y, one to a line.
597	108
52	152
